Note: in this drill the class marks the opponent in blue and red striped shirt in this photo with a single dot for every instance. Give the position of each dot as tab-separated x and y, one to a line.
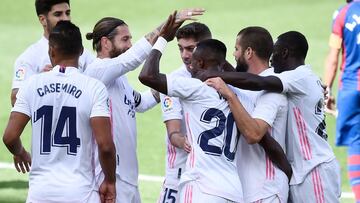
345	37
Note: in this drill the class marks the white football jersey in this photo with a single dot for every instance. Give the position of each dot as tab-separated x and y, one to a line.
124	102
259	176
34	59
307	144
60	105
175	157
212	132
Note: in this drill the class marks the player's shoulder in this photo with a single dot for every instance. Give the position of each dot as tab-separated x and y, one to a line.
95	65
32	52
181	72
87	56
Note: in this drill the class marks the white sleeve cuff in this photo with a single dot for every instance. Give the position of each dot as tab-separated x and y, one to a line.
160	44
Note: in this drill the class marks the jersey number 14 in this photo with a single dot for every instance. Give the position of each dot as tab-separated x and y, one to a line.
66	121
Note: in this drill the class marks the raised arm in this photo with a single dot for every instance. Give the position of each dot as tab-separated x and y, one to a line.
150	74
181	16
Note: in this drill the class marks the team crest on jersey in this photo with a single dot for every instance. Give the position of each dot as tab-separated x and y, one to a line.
20	74
167	104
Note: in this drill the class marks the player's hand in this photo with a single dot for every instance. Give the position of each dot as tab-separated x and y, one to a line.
330	106
169	29
22	161
186	145
188	14
48	67
107	192
218	84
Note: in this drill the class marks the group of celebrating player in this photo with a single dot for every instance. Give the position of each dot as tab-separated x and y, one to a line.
253	133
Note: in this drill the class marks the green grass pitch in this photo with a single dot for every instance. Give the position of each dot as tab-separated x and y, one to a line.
20	28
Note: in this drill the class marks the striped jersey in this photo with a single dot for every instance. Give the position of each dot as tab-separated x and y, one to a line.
213	135
260	178
307	145
346	35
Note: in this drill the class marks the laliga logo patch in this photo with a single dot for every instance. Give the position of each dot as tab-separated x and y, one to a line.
167	103
20	74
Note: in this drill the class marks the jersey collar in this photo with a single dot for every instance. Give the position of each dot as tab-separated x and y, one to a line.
66	70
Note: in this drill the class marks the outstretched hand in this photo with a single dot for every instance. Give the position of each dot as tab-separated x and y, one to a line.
169	29
188	14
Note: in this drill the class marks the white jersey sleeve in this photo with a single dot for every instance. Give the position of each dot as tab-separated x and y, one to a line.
23	69
22	98
100	107
293	81
268	105
144	101
171	108
85	59
109	69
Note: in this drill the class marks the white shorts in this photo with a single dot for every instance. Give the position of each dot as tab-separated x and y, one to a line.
94	197
271	199
168	195
126	192
190	193
321	185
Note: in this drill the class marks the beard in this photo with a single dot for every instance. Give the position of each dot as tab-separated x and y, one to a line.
242	67
115	52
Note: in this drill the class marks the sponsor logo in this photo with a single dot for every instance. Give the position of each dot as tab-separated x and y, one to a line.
20	74
167	103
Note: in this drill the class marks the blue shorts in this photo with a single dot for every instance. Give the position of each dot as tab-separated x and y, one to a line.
348	120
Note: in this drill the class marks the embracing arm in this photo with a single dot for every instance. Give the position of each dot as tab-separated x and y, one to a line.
247	81
254	130
276	154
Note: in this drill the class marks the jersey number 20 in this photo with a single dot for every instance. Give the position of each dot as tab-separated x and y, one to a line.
222	124
66	120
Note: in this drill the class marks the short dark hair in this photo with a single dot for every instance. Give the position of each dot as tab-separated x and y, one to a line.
295	42
259	39
348	1
212	50
44	6
66	38
106	27
197	31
